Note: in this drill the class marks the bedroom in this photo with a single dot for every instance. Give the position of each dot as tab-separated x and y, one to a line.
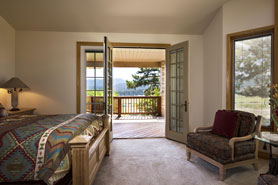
42	52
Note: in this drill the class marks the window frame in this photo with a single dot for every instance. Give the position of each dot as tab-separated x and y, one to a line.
231	39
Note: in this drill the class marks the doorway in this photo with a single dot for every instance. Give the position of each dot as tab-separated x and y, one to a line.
171	133
138	111
138	90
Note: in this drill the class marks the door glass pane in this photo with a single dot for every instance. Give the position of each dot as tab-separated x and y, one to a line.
173	98
90	82
181	109
181	84
178	98
252	73
99	84
180	55
173	57
99	72
176	87
180	127
99	58
173	84
180	69
90	71
173	70
173	123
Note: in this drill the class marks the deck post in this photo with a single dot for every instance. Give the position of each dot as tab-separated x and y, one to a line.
91	104
159	106
119	107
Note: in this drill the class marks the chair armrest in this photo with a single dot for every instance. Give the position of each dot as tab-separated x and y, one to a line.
233	140
203	129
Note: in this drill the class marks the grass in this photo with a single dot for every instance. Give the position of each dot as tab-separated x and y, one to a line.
254	104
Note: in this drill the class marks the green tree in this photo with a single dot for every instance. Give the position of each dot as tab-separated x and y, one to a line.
100	93
149	77
252	66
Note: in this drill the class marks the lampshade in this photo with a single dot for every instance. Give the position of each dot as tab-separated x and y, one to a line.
14	83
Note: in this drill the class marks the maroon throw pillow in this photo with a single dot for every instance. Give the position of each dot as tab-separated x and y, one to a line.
225	123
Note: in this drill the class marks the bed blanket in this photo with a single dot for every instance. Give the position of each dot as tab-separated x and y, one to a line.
33	146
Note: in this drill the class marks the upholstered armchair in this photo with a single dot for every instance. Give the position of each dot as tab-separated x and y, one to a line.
228	150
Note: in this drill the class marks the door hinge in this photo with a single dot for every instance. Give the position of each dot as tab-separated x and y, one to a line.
185	106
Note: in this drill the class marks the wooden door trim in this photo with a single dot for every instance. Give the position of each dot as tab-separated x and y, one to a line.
78	70
275	65
275	53
229	73
79	44
140	45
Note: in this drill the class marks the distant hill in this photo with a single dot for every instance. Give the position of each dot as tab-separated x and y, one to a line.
119	86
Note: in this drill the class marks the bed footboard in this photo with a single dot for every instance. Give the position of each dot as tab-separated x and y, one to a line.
87	154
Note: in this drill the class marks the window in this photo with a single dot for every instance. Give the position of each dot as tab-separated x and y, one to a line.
251	72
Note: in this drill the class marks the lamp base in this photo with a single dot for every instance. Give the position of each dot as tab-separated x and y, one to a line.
15	109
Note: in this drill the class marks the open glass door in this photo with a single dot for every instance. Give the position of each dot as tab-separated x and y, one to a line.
177	93
108	81
94	82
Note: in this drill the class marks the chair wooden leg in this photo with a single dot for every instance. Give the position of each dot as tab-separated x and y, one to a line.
188	154
222	173
255	165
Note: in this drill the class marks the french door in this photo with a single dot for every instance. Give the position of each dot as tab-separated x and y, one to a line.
177	92
108	81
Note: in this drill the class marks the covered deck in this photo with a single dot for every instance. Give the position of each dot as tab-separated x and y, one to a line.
138	126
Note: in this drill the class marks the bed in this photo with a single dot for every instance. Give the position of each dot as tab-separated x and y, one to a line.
52	149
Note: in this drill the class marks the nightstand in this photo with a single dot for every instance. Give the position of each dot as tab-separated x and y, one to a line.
23	111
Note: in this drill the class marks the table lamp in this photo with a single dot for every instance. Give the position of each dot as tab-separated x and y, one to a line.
14	85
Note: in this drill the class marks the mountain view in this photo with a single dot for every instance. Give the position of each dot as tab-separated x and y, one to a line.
119	86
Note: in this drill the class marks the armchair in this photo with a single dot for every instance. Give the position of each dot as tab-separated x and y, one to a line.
226	152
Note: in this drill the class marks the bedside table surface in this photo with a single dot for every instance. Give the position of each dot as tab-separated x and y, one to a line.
21	111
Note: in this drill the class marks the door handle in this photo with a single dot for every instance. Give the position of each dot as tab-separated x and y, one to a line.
185	106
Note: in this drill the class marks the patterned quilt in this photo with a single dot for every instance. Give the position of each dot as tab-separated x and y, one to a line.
34	147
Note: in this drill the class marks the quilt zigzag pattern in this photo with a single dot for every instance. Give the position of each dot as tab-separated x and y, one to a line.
19	143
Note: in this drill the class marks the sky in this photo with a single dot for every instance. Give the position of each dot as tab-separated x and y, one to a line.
118	72
124	72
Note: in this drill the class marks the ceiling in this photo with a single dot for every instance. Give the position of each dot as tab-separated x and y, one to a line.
114	16
138	55
131	57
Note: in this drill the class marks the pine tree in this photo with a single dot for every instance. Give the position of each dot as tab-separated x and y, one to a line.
149	77
252	67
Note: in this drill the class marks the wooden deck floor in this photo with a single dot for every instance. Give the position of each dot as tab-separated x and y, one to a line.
149	127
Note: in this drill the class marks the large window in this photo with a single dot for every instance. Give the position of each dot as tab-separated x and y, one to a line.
251	72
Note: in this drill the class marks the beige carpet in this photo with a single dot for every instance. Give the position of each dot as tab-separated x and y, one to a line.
160	161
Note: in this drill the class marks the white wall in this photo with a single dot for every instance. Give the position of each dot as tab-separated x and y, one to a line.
241	15
7	58
234	16
46	62
213	44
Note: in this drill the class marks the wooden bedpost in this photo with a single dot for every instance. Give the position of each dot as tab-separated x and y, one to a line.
87	154
80	165
106	121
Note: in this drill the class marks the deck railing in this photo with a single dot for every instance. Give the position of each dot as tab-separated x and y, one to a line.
128	105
